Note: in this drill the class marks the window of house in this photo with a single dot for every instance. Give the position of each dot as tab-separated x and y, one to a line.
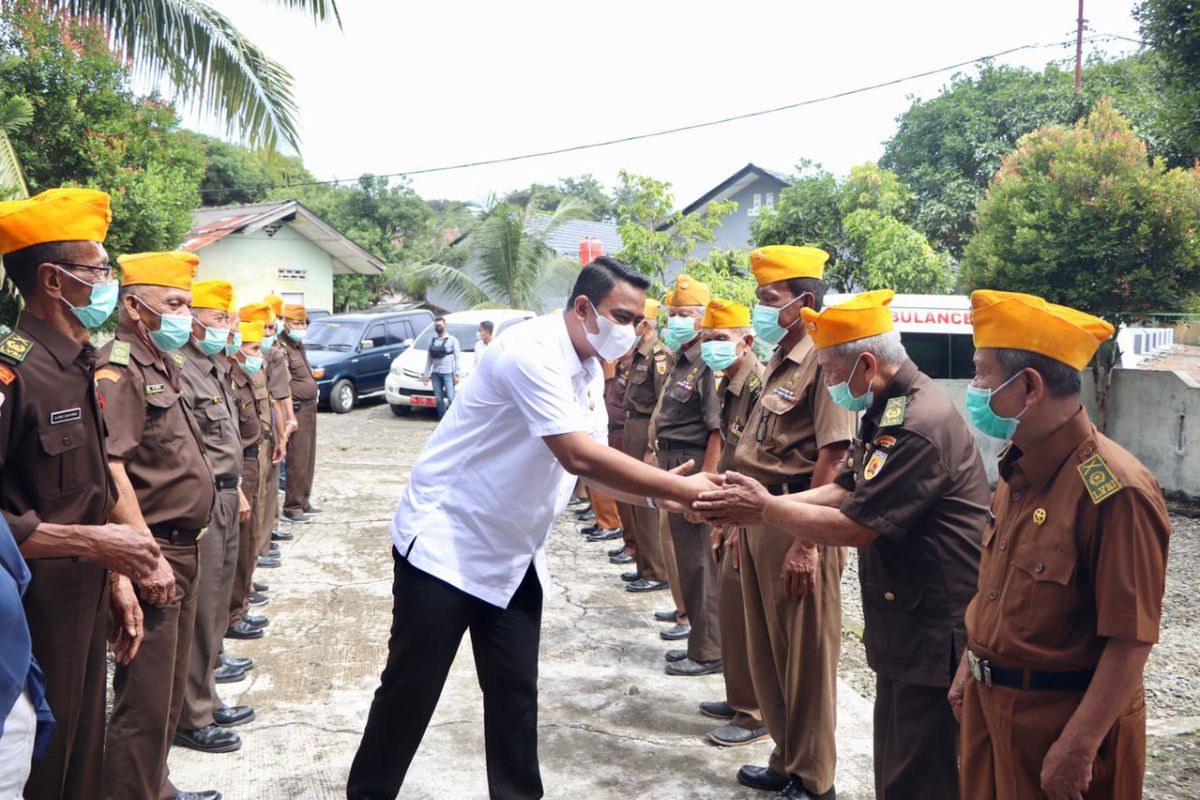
293	298
770	201
755	205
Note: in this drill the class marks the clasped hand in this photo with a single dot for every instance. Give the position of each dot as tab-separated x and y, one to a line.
738	501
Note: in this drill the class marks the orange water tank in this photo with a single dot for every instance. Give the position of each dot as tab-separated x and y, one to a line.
590	249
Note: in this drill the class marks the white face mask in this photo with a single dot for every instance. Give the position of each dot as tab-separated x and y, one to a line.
613	340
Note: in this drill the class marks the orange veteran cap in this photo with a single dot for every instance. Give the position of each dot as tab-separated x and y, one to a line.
725	314
651	311
782	262
276	303
688	292
212	294
257	312
295	312
176	269
251	331
55	215
1015	321
868	314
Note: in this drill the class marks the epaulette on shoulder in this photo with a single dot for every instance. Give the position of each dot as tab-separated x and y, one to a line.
118	354
15	347
1098	479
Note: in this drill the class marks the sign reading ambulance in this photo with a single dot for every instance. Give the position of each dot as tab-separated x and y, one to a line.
925	313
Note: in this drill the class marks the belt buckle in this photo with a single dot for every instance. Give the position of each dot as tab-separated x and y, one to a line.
981	670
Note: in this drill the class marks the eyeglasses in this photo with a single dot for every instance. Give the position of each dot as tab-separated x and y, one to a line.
104	272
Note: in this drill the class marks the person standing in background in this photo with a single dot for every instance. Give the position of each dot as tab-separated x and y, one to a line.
441	365
302	444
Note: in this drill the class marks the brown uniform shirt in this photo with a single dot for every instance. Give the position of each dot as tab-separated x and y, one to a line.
262	404
53	465
918	481
152	432
794	418
616	381
689	409
1076	552
738	391
279	377
250	425
648	372
302	384
210	397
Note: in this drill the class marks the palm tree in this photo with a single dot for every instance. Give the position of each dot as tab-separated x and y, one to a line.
513	267
207	60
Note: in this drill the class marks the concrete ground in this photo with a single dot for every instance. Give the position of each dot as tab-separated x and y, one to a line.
612	724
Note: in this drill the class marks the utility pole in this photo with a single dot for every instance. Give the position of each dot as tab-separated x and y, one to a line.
1079	50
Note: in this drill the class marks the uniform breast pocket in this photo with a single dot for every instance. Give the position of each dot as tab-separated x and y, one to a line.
166	427
60	470
639	375
216	422
1040	592
681	394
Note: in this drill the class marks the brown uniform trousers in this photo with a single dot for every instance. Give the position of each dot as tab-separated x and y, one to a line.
794	647
651	561
616	440
301	459
248	534
672	566
269	491
1075	555
697	571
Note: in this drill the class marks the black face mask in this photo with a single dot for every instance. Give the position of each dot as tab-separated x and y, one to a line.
440	329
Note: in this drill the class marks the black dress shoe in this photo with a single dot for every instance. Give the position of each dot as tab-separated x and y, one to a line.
586	516
589	530
295	519
273	549
643	585
689	668
269	562
675	655
314	510
630	577
667	616
282	536
258	599
246	664
207	794
224	674
717	709
676	632
606	534
796	791
256	620
259	587
240	630
616	551
229	716
209	739
763	778
621	558
578	502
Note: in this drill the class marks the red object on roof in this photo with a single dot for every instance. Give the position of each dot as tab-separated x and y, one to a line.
590	249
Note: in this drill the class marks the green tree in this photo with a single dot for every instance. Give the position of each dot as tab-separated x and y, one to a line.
208	61
513	265
809	213
655	236
1172	27
1082	217
588	191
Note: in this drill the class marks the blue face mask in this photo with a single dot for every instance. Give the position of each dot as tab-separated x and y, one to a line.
100	306
214	341
845	398
268	341
765	320
680	331
981	415
252	364
297	334
718	355
230	349
174	330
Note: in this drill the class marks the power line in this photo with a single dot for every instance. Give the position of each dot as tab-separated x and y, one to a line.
679	129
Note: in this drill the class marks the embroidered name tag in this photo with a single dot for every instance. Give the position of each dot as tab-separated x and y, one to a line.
65	415
154	388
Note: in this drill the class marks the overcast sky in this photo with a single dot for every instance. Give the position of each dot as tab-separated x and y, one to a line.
410	85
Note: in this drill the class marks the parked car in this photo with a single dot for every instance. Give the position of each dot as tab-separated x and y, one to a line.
352	353
404	388
317	313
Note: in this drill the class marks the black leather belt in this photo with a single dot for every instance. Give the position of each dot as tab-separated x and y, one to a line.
224	484
791	487
671	444
250	452
176	535
989	674
637	415
299	404
612	427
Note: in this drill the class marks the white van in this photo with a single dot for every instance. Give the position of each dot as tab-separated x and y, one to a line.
936	332
404	388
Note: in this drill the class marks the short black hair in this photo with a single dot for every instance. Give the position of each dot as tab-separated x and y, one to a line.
1062	380
815	287
488	326
439	319
597	279
21	265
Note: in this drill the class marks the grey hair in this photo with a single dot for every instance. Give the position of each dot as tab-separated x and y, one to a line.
1062	380
884	346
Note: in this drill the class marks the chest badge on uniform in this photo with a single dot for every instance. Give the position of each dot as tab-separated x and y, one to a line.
874	464
154	388
1039	516
1099	480
893	412
885	441
65	415
7	376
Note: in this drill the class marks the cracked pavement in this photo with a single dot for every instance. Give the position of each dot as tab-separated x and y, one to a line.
612	723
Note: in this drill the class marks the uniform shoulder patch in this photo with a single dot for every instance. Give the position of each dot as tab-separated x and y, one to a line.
874	464
106	374
886	442
119	354
893	412
755	383
7	376
1101	484
15	347
178	358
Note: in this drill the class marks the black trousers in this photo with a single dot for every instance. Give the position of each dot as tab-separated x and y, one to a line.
429	618
916	742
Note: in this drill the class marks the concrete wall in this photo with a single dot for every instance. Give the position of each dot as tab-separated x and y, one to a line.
1188	333
252	263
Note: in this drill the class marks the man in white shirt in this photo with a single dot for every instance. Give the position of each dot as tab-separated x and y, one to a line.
469	534
487	330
